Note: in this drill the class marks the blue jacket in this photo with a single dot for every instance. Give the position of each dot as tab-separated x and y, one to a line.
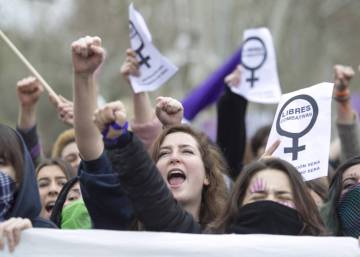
104	197
27	199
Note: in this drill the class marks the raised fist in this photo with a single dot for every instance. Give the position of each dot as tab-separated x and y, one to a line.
28	91
169	111
87	55
107	115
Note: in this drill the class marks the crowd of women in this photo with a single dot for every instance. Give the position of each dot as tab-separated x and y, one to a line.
154	173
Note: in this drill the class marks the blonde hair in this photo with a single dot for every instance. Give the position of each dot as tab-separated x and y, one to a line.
66	137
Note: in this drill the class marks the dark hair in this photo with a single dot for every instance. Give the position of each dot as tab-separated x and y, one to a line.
59	204
329	211
12	151
259	139
214	195
64	166
319	186
303	201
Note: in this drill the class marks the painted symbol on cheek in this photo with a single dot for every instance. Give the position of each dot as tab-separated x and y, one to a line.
259	185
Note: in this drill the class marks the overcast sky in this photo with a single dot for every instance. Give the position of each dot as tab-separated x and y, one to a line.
25	15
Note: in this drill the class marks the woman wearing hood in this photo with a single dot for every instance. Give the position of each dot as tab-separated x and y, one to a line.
19	196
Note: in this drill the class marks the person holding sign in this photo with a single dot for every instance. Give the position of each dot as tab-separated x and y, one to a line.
181	189
145	124
270	197
231	133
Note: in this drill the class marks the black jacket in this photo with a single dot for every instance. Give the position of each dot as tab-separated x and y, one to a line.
231	129
104	197
152	201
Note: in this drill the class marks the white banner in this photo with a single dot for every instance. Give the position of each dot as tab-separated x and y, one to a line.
303	124
95	243
154	69
259	76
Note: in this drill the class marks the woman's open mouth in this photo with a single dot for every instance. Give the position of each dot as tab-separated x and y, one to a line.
176	177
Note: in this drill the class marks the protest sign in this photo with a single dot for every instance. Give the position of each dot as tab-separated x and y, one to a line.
94	243
259	78
154	68
303	124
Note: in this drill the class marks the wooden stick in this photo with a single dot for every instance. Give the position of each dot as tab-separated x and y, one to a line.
29	66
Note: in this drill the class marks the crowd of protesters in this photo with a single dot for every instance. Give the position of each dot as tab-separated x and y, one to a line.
152	172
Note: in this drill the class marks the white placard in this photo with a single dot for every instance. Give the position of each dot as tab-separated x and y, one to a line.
259	76
303	124
154	68
95	243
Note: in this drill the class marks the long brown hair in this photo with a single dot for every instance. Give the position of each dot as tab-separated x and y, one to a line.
12	151
303	201
214	195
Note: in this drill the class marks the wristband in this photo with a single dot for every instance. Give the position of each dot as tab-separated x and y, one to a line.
342	92
114	126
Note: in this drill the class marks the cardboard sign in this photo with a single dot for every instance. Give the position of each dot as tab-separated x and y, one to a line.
259	76
303	124
109	243
154	68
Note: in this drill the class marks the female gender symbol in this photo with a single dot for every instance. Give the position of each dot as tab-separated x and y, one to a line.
295	136
254	55
135	34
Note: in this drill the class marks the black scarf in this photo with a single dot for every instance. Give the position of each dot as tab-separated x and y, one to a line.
267	217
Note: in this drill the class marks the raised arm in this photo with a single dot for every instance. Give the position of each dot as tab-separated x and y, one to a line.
143	111
231	129
145	124
28	92
87	56
347	120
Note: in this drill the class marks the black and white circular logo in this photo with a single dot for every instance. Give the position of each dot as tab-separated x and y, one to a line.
295	119
253	56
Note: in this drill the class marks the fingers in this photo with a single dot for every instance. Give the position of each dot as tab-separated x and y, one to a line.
234	78
268	153
29	85
169	111
64	108
114	111
87	46
343	74
168	105
120	117
130	65
66	114
130	52
11	230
